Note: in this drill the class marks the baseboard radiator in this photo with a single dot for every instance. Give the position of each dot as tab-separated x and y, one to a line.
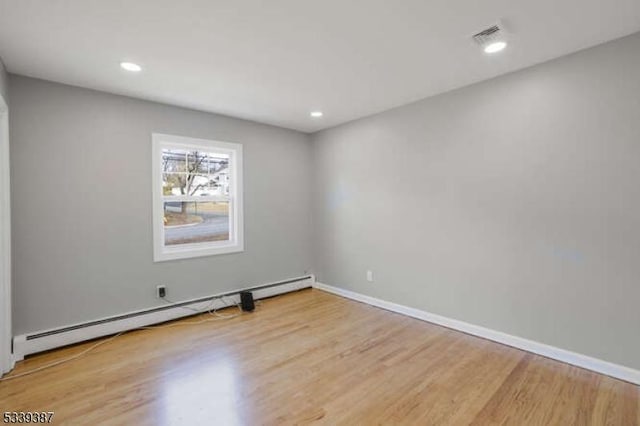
40	341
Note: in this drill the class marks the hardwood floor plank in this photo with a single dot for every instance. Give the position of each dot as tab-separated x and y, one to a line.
615	403
312	357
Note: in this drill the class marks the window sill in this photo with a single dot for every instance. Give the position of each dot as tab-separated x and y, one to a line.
185	252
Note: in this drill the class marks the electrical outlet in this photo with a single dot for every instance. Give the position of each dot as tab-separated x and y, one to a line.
161	291
370	276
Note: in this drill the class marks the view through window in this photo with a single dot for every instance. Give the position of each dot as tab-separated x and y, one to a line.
200	180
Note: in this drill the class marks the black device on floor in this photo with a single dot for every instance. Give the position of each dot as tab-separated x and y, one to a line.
246	298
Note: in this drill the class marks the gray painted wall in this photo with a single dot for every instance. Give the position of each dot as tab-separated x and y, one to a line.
81	186
4	82
512	204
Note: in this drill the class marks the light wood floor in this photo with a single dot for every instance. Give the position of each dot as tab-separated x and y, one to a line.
314	357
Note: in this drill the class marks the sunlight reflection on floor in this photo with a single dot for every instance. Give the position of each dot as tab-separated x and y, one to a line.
205	394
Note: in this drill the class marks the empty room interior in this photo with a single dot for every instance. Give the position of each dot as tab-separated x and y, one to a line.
343	212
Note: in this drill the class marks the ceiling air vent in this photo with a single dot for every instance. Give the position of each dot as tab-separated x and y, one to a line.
489	35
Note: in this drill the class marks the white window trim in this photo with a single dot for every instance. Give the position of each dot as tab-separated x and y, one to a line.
236	224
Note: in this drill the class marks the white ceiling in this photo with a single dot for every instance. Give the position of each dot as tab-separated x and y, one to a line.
273	61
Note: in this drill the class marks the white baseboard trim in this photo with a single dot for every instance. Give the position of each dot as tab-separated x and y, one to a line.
599	366
44	340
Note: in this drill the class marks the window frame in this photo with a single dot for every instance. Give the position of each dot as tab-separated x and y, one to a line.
235	244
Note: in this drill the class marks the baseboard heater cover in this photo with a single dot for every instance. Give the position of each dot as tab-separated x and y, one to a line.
40	341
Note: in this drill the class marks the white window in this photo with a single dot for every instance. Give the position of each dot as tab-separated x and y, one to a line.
197	197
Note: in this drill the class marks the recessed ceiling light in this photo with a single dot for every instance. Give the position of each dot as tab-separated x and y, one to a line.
495	47
130	66
316	114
